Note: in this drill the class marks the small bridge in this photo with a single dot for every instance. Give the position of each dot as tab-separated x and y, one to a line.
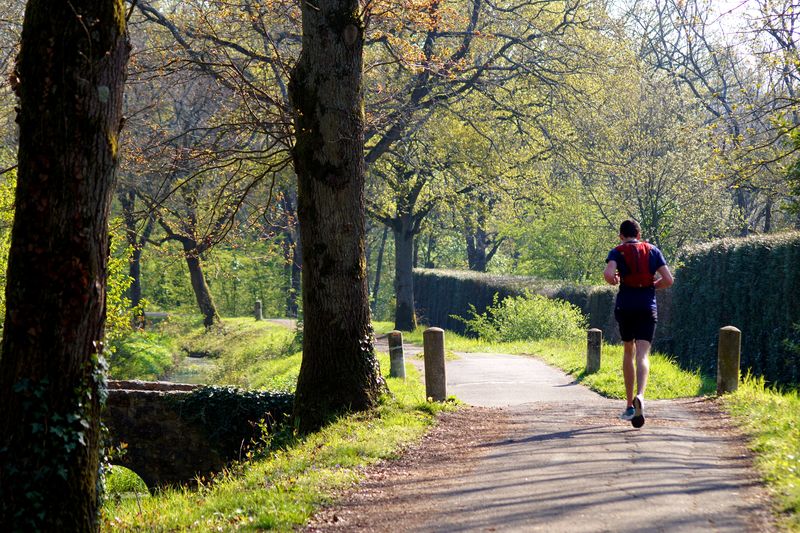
175	432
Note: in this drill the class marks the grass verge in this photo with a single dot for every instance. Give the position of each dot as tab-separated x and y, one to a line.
772	420
282	489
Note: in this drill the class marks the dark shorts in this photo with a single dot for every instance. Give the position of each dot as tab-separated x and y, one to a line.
636	324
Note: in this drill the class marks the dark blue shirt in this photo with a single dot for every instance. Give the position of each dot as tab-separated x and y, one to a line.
635	298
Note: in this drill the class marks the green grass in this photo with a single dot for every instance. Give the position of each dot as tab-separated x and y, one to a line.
667	379
772	419
283	489
231	354
244	352
140	355
121	480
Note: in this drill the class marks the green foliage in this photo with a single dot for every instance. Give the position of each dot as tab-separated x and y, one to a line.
793	177
772	419
527	317
745	283
229	413
565	239
247	271
121	481
139	355
8	184
237	275
119	315
165	279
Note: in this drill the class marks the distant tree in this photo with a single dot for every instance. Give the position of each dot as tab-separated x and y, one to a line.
339	369
69	79
743	85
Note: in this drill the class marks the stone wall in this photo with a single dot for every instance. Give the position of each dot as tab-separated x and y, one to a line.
175	432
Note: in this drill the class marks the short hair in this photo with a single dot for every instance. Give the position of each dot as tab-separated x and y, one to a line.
630	229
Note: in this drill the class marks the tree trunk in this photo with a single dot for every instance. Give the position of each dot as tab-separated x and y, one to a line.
292	251
201	293
292	309
378	269
339	370
127	200
69	79
428	263
741	203
476	249
288	259
405	318
481	245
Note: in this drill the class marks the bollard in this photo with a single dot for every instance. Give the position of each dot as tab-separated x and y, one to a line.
397	362
435	380
729	356
257	311
594	344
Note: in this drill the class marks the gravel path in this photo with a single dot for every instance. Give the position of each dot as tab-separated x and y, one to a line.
541	453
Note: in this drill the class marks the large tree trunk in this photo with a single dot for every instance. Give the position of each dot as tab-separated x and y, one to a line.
339	369
405	319
201	293
70	76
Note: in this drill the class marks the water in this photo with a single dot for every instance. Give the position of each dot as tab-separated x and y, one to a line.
194	370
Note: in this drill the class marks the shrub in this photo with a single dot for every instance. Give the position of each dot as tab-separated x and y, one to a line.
528	317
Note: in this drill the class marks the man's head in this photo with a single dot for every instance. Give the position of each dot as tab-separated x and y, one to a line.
630	229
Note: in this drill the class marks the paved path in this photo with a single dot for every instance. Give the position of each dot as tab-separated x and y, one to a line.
566	463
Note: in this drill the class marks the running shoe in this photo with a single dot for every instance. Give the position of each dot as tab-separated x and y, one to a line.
627	414
637	420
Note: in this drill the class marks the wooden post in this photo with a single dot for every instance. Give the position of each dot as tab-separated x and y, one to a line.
594	344
729	356
435	380
257	311
397	362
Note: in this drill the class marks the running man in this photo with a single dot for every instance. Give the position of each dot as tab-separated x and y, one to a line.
639	269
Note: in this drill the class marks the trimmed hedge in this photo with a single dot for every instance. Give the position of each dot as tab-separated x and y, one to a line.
752	283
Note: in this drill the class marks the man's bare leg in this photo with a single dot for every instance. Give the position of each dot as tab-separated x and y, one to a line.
642	368
628	369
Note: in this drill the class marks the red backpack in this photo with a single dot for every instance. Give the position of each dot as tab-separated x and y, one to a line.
637	259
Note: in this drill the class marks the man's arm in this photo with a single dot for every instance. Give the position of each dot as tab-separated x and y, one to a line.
666	279
610	273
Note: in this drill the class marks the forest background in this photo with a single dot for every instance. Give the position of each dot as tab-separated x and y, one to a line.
501	137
